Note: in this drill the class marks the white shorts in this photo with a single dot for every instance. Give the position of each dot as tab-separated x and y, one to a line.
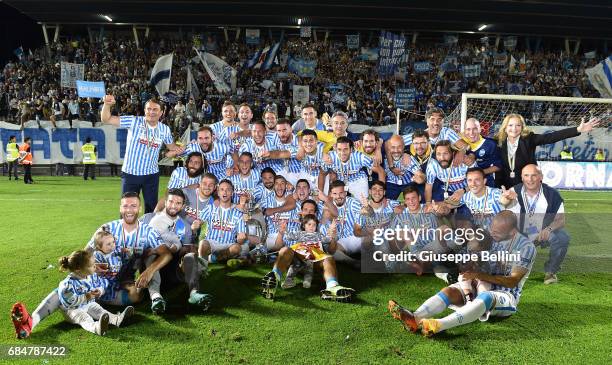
271	240
215	246
504	303
358	187
351	244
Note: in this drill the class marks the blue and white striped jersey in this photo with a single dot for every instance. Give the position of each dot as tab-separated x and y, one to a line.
143	145
348	215
223	224
352	169
408	172
142	238
223	132
112	261
113	265
427	222
274	221
260	164
72	290
381	217
483	208
291	164
521	245
243	186
219	158
452	177
445	134
179	179
313	164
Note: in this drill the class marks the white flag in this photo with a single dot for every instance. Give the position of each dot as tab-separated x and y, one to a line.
160	75
192	87
600	77
512	66
222	74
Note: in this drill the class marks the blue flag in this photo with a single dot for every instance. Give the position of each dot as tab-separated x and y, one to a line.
90	89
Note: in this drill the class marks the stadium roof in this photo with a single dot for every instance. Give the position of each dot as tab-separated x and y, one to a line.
589	19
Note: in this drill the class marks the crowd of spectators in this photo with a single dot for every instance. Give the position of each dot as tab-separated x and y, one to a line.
30	87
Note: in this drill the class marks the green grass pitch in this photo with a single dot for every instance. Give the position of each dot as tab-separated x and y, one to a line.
566	323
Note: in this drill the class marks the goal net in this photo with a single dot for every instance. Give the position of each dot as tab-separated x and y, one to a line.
545	111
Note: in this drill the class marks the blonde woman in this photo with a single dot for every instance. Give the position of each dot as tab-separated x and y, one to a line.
518	144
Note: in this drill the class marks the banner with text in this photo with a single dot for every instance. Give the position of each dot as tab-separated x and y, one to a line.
577	175
90	89
70	73
392	48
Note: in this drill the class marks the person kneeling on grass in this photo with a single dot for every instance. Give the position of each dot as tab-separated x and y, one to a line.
314	247
77	294
508	273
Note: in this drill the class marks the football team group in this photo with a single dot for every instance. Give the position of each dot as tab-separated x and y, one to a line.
302	198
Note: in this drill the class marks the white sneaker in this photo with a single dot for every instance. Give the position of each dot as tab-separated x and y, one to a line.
307	275
550	278
102	325
120	317
290	278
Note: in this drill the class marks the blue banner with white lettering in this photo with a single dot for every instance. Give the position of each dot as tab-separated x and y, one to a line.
392	48
90	89
422	67
405	97
63	145
302	68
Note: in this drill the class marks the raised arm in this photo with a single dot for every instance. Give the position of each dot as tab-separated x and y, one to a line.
105	113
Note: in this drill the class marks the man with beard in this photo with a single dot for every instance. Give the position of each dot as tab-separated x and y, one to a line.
226	230
369	143
217	153
144	141
285	147
246	180
436	132
310	155
191	174
347	220
183	267
421	151
507	276
133	239
452	178
483	201
196	199
270	118
483	149
275	218
376	211
309	120
260	145
348	166
404	165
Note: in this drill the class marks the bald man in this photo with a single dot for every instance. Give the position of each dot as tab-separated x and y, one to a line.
541	217
401	172
507	274
484	150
